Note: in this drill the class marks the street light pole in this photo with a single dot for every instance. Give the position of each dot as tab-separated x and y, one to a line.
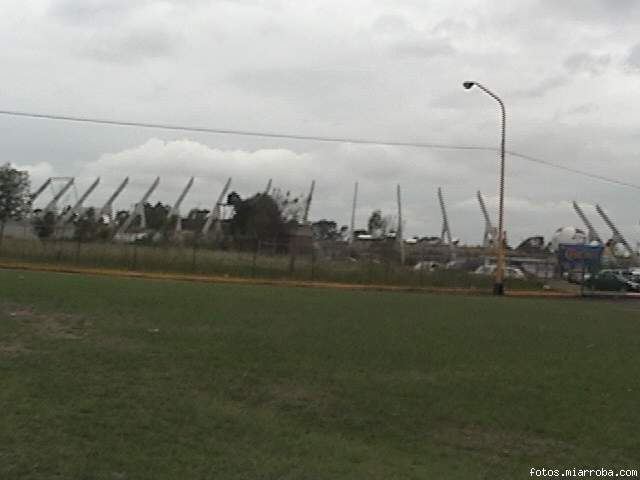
498	286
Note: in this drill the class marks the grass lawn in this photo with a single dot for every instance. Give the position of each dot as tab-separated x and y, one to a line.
111	378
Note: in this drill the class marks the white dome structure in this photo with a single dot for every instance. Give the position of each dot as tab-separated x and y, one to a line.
568	235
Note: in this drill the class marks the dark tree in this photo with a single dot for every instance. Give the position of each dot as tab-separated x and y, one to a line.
377	224
195	220
121	217
15	199
259	218
234	199
88	226
325	230
156	215
44	224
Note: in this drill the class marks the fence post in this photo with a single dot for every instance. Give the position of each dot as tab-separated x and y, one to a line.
387	269
58	249
255	259
193	255
313	263
422	264
135	256
293	252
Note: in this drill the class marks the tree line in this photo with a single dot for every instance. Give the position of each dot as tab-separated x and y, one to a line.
261	217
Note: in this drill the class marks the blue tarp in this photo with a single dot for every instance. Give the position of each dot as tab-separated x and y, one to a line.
581	255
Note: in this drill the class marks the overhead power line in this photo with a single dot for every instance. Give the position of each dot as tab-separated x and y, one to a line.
314	138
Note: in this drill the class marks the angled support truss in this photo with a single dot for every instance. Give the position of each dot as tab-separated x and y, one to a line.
399	232
216	211
107	208
53	204
307	204
353	214
617	236
445	234
490	232
138	210
68	216
175	209
42	188
591	231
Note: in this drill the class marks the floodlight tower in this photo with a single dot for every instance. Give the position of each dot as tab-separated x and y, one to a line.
446	232
68	216
138	210
591	231
490	232
214	215
353	213
175	210
107	208
307	204
617	236
51	206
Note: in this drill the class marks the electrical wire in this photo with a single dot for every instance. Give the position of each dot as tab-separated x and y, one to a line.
314	138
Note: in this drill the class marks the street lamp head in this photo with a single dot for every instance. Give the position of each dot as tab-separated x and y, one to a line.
468	85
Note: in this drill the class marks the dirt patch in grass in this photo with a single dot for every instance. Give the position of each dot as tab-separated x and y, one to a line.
290	396
497	444
69	327
58	326
16	348
64	326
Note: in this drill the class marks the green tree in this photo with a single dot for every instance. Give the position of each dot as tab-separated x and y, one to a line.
15	199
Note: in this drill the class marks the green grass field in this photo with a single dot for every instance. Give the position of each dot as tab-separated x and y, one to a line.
111	378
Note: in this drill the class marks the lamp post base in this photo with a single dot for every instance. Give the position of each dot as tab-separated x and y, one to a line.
498	289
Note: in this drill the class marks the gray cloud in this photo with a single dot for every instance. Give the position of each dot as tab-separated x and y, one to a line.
633	59
85	11
423	49
583	109
592	10
540	89
132	46
586	62
451	26
391	24
366	68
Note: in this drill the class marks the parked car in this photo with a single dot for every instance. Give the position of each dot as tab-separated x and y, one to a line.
509	272
612	281
632	274
577	276
427	265
455	264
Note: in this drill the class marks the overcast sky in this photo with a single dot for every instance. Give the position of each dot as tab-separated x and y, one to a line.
568	71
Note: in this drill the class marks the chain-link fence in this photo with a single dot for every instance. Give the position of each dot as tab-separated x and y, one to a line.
375	265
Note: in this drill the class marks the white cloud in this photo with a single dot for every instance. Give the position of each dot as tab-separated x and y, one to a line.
38	173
